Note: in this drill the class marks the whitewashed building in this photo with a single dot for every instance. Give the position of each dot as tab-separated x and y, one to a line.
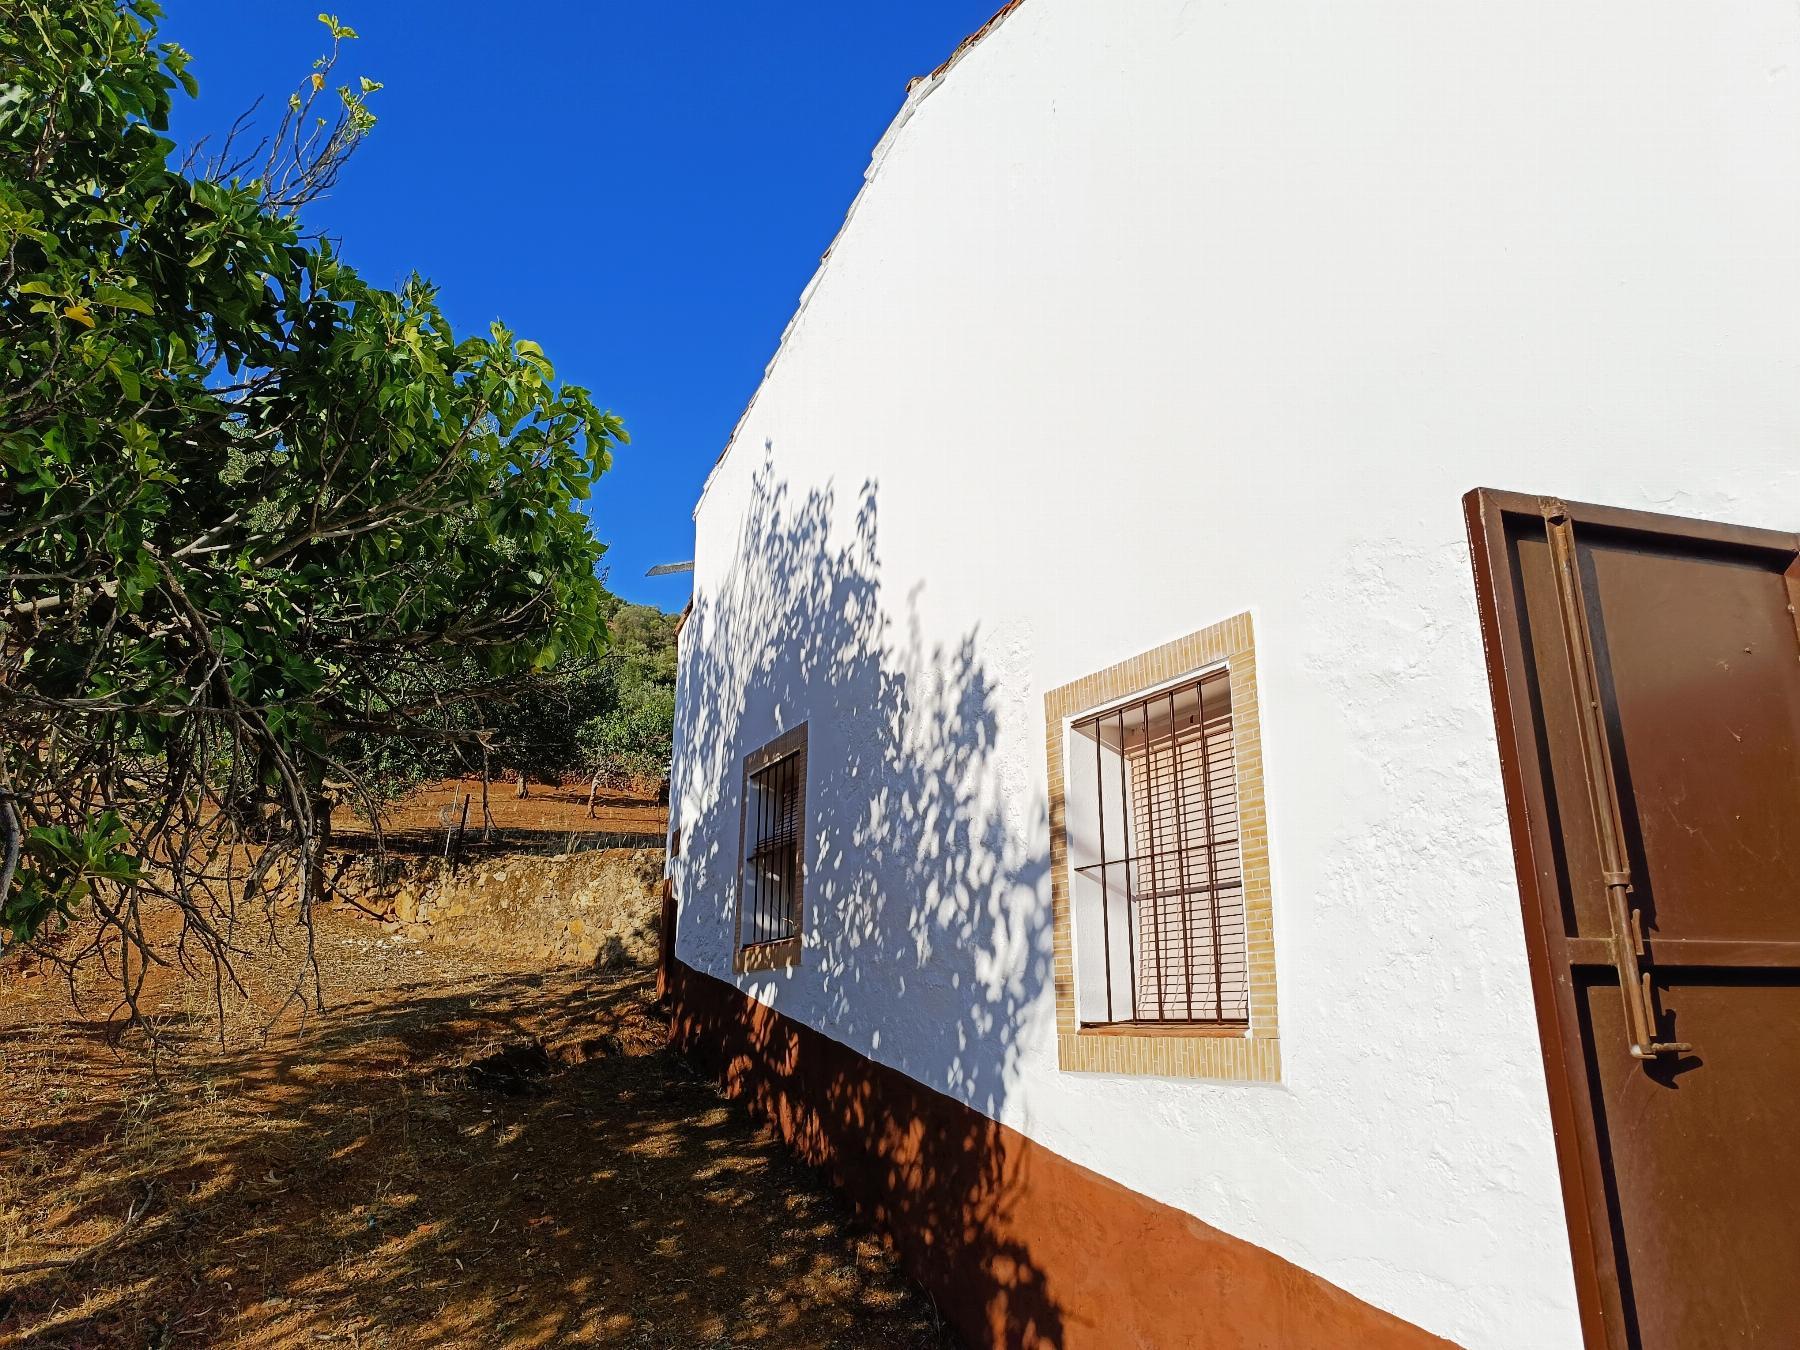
1094	841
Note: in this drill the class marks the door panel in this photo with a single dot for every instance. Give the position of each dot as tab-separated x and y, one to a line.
1659	836
1700	650
1704	1160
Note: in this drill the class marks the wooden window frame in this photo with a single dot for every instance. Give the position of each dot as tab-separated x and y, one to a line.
1175	1050
784	953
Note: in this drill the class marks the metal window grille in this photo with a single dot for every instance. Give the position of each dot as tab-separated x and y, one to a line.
1168	873
773	865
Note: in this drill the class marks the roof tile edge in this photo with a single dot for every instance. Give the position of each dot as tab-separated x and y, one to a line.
1000	16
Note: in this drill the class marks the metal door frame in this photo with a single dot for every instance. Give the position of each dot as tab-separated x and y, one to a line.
1550	952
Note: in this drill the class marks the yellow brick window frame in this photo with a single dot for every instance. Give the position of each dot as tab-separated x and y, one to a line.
1250	1054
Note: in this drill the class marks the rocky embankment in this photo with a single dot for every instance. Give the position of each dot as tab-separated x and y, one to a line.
590	908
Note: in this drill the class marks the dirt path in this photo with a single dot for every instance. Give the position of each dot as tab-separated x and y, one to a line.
457	1154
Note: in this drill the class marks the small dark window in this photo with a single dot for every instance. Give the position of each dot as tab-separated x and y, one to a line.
1160	919
769	911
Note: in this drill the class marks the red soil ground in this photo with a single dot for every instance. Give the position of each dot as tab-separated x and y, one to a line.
550	814
463	1150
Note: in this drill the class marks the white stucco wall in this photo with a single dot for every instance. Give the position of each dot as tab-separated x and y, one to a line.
1154	312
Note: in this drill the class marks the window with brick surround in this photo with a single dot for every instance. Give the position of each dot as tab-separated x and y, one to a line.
1159	899
1159	864
772	864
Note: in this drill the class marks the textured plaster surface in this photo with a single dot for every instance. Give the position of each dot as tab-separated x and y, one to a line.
1152	314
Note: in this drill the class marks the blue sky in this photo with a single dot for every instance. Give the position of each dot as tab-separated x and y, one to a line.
643	187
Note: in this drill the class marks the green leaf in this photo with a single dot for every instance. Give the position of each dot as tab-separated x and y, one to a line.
119	298
128	382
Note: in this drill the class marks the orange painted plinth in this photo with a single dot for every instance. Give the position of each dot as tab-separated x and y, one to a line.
1019	1246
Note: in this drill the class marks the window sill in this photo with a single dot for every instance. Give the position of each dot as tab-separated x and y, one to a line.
1216	1030
1225	1054
767	956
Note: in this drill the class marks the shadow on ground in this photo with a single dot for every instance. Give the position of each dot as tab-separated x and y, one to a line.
452	1155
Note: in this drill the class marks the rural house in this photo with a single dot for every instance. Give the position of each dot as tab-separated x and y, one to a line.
1237	773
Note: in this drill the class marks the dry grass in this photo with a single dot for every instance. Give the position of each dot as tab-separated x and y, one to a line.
462	1151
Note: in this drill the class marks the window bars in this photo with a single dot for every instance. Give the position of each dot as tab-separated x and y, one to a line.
772	866
1168	872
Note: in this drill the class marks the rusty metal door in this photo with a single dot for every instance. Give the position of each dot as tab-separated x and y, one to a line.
1646	683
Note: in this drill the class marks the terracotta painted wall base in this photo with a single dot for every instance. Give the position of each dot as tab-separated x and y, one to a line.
1019	1246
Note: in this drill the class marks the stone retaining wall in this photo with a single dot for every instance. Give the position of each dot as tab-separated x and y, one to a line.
591	908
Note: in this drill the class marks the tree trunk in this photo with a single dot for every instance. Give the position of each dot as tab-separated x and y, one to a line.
321	840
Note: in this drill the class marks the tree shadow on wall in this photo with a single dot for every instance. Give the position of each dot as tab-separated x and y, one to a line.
927	943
